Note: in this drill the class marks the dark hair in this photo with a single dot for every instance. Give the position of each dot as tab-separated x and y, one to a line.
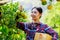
39	9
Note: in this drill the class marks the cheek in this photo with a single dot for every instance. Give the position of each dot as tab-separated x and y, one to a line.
38	15
32	15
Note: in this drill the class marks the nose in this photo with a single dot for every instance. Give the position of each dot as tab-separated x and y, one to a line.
32	14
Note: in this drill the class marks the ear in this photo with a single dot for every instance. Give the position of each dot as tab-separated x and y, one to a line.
40	15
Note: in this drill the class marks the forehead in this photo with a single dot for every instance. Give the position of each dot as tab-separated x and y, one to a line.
35	10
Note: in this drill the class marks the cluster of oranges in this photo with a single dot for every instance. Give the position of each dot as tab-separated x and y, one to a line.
21	14
44	2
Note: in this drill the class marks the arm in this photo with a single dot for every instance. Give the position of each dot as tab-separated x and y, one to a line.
20	25
52	33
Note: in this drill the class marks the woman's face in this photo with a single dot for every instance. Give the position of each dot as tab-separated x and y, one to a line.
35	14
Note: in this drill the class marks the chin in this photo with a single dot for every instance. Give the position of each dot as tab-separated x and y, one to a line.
33	18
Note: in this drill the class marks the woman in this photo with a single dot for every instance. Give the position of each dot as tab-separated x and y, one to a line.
36	26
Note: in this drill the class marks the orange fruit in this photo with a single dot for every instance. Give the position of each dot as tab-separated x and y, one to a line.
43	0
58	0
49	7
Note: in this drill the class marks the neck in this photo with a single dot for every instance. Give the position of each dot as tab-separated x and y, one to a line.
36	21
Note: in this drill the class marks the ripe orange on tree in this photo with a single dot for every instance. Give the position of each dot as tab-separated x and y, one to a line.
49	7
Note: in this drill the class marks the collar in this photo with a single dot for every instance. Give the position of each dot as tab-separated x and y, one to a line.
37	23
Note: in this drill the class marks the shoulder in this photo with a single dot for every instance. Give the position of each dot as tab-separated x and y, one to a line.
46	27
28	24
43	24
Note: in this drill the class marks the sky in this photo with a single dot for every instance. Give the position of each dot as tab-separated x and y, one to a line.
29	4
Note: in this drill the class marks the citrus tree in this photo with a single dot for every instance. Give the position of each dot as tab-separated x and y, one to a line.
8	19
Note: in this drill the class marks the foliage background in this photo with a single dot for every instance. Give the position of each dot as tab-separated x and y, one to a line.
8	30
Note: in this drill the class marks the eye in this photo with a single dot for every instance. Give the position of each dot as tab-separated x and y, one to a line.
31	12
34	12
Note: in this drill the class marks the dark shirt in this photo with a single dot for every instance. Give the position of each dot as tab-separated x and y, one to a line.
31	28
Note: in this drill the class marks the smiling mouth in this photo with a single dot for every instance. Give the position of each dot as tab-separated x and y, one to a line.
33	17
